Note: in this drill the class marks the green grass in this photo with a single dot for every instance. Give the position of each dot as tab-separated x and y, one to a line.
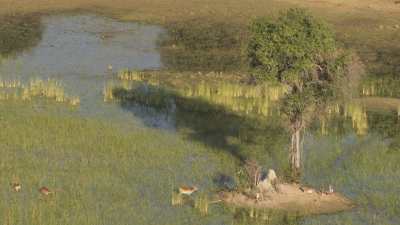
101	174
107	173
365	169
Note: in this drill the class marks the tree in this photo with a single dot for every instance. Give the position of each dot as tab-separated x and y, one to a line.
300	52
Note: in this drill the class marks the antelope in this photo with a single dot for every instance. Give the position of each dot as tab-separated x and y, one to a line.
45	191
186	190
16	187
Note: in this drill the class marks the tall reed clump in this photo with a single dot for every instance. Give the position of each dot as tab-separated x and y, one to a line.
111	86
352	110
127	74
49	89
358	116
382	86
176	199
201	203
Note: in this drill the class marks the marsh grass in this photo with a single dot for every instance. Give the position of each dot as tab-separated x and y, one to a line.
246	100
201	203
234	96
366	170
102	172
386	86
36	88
129	75
176	199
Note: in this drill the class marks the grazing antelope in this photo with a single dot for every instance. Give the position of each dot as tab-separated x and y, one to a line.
45	191
16	187
185	190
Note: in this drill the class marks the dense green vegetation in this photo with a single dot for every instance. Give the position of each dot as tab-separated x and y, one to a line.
300	52
18	33
204	45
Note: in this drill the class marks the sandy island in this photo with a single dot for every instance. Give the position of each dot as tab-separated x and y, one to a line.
292	198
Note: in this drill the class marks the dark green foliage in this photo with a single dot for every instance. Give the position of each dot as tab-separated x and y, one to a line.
19	32
202	45
292	45
299	51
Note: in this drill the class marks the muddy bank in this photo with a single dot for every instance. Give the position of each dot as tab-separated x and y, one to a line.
291	198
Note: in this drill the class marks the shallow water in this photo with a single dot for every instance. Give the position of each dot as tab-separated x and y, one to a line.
77	51
238	120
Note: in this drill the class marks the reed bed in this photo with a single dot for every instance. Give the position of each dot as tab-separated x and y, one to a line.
36	88
358	116
201	203
176	199
234	96
250	100
381	86
350	110
130	75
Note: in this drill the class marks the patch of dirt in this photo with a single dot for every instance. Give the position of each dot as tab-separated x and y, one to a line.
291	198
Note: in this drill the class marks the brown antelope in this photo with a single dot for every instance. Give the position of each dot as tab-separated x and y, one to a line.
45	191
186	190
16	187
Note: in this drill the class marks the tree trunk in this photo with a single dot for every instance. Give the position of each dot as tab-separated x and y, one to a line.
295	151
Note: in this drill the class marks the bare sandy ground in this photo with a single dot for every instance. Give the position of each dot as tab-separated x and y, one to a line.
290	198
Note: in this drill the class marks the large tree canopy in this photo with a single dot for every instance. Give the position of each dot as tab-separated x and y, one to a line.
300	52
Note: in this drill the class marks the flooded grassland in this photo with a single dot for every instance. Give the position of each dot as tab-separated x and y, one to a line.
114	145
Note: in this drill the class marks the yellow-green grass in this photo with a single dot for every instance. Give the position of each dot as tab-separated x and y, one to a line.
101	173
49	89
